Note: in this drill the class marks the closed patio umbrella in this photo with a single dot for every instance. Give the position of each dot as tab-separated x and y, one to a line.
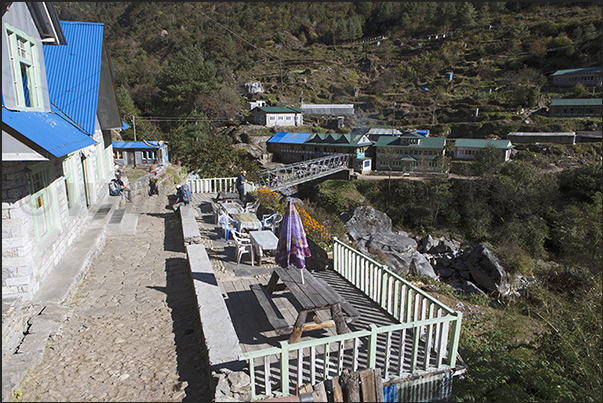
292	246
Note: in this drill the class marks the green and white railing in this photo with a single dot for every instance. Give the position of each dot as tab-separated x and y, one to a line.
426	339
215	185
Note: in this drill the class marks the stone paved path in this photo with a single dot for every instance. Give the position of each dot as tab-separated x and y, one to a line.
133	333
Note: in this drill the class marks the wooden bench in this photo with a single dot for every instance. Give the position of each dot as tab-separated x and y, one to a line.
351	313
274	316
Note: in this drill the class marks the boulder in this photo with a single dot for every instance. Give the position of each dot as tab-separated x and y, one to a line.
471	288
412	263
447	246
487	271
391	242
367	221
428	244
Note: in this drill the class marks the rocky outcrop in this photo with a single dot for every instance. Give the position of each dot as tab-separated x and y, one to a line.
486	270
372	232
470	270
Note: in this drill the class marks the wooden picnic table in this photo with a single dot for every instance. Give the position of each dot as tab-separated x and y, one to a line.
313	295
231	207
263	240
247	221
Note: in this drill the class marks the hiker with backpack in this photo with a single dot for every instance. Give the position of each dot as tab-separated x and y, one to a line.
117	186
153	189
183	196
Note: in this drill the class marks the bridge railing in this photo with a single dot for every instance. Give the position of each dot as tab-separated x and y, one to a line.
283	176
425	341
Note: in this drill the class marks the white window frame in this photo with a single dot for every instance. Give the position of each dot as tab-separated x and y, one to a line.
23	60
41	201
69	182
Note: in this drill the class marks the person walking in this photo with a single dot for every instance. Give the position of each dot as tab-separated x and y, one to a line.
240	185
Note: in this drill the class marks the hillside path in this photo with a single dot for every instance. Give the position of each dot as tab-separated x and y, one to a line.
133	332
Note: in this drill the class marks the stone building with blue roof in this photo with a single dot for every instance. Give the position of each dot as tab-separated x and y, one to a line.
58	110
136	154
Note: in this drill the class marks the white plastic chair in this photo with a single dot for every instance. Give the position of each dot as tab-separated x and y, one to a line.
228	225
243	245
271	221
253	207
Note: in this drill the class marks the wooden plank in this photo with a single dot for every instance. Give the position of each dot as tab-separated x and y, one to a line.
367	385
351	387
351	312
378	386
298	328
319	394
337	391
272	313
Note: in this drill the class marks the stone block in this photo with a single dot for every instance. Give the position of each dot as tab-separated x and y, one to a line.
16	281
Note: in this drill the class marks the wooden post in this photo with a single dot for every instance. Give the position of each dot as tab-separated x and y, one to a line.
298	328
351	386
339	319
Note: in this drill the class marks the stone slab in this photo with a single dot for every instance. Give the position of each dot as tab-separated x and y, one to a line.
220	336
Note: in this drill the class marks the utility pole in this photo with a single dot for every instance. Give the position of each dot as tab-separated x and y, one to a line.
394	119
134	125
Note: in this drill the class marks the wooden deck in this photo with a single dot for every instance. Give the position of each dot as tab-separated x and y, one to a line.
253	329
255	332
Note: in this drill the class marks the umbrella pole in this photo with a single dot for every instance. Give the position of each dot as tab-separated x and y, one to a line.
302	275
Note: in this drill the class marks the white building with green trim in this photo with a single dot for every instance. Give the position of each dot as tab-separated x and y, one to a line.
468	149
410	152
271	116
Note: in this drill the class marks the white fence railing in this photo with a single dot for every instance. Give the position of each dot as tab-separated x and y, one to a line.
215	185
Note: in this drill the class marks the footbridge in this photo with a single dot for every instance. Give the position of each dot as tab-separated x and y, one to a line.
282	177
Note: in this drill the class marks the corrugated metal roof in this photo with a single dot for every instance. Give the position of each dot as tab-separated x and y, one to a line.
338	139
577	102
328	109
586	70
151	145
424	142
381	131
482	143
73	73
541	134
278	109
48	130
289	138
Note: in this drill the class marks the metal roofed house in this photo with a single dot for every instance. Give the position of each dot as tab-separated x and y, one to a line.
328	109
569	108
468	149
324	144
271	116
294	147
140	153
590	76
58	109
528	137
410	152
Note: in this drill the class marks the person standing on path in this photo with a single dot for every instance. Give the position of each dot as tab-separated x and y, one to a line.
240	185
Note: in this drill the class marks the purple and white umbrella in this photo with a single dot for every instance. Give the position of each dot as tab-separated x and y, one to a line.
292	246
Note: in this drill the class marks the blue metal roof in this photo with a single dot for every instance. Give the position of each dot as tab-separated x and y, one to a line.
290	138
73	73
150	145
48	130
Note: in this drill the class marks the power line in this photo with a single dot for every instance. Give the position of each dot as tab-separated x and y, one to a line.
244	40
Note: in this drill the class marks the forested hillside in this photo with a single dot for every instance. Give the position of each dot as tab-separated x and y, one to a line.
190	61
181	68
